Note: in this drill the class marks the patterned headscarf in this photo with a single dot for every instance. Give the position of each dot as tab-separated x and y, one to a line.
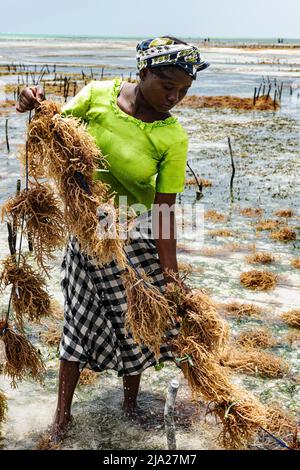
164	51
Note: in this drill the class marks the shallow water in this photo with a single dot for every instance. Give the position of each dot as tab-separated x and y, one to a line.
266	154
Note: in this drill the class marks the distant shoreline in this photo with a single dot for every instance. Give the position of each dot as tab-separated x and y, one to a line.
252	47
251	43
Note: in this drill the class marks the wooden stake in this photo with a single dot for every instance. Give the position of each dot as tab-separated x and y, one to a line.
169	414
280	91
275	96
233	171
199	193
6	135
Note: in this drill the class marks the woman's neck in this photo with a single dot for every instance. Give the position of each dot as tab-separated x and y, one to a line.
132	101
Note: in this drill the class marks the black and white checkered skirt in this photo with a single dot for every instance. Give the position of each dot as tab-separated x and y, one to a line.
95	305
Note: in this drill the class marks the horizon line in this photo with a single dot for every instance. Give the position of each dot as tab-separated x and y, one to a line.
138	37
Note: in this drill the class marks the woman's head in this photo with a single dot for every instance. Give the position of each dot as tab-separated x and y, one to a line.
167	68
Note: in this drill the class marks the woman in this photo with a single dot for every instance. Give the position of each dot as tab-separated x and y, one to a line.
146	149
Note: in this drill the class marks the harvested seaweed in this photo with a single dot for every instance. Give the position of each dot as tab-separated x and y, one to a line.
29	295
22	358
292	318
258	280
44	220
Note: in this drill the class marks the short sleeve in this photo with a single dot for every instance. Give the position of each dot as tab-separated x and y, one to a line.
80	104
172	168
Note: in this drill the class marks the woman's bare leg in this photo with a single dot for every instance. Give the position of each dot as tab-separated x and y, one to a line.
131	385
68	378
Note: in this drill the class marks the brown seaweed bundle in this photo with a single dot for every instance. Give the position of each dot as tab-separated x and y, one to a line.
252	362
262	103
88	377
258	280
267	224
241	417
214	216
69	152
240	413
22	358
221	233
285	213
52	336
296	263
206	379
44	220
199	317
29	295
292	318
3	407
285	234
149	314
199	345
280	423
264	258
241	310
292	337
256	338
251	212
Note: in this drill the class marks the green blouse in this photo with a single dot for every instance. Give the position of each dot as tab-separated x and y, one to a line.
143	157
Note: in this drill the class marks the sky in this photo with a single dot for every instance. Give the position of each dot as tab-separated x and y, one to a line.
137	18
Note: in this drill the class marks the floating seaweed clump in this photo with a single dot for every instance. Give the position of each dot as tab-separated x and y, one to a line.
88	377
292	337
296	263
284	234
188	268
258	280
292	318
267	224
22	358
192	182
214	216
3	406
256	338
263	103
264	258
221	233
252	362
44	220
211	251
251	212
45	442
29	295
285	213
241	310
280	422
52	336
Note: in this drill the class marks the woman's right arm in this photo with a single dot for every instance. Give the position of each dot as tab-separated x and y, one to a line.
30	98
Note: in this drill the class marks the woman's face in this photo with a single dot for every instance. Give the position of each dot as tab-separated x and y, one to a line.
165	90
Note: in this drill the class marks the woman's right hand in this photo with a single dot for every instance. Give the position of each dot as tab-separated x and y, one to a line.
30	97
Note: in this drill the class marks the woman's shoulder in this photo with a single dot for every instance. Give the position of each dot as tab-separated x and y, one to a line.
173	131
102	87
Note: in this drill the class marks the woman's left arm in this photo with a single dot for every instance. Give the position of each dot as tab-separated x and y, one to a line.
164	230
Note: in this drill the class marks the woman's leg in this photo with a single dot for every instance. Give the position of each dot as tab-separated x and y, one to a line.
68	378
131	387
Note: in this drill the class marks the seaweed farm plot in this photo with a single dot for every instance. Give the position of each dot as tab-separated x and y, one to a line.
244	251
248	262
